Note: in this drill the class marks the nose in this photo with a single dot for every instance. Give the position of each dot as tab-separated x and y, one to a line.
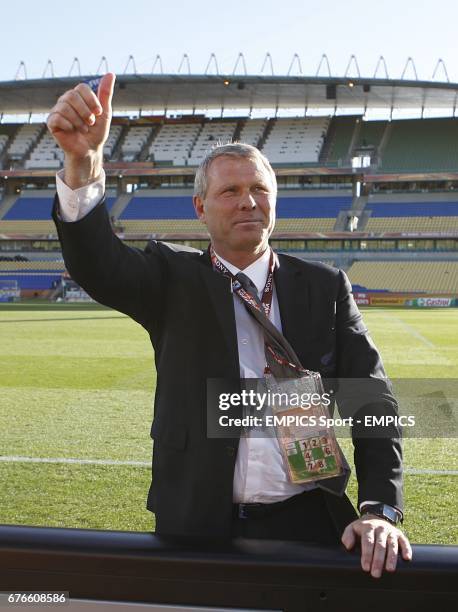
247	201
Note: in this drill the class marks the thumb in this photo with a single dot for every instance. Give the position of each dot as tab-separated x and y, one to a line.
105	92
348	537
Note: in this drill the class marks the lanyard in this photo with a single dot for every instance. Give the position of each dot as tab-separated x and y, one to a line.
266	301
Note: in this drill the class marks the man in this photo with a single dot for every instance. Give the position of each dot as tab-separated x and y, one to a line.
201	330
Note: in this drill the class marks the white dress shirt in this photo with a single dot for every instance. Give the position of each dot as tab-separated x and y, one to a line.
260	473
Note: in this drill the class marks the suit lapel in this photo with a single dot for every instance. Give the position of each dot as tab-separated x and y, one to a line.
293	295
219	290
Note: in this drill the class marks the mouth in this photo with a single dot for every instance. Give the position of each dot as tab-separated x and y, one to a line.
248	221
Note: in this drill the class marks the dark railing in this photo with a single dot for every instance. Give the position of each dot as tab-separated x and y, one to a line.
254	574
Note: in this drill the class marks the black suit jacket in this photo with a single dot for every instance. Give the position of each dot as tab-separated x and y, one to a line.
187	309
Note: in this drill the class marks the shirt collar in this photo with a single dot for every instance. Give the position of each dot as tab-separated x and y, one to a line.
257	271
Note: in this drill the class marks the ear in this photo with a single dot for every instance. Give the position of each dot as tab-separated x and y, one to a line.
199	207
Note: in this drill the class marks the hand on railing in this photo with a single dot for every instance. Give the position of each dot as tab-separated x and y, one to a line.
380	544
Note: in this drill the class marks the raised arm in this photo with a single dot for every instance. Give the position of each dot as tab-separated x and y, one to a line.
127	279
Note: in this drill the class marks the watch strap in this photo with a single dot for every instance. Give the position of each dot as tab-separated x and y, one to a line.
384	511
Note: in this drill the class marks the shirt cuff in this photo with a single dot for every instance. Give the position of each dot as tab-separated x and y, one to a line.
76	204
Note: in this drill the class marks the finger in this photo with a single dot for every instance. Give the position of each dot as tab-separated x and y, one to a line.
74	99
406	549
105	92
68	112
90	98
56	122
379	556
367	549
348	537
391	552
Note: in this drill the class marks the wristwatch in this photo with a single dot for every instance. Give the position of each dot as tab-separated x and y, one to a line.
384	511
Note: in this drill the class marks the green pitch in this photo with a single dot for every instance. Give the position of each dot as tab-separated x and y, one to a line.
76	389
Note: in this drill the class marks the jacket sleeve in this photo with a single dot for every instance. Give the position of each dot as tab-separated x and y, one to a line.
365	393
112	273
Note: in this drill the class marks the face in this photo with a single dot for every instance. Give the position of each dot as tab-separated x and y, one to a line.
239	206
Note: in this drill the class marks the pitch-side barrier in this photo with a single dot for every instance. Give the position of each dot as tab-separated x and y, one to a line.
128	571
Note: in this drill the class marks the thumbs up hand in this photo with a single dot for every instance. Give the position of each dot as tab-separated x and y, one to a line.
80	123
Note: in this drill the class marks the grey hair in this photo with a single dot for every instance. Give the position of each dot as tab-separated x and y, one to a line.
232	149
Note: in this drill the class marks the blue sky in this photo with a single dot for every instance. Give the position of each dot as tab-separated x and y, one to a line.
35	30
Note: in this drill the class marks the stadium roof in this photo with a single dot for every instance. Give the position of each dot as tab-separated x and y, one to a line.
159	92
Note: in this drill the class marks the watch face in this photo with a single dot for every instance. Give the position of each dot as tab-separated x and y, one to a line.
390	513
384	511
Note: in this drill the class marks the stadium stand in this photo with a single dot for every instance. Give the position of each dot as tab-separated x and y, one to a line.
135	140
25	266
369	139
253	131
31	212
159	203
46	154
24	140
297	140
408	145
414	276
32	274
370	134
112	141
339	140
33	280
422	145
213	132
410	213
3	141
309	213
174	142
159	211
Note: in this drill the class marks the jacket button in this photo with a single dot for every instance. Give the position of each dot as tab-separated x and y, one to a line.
230	450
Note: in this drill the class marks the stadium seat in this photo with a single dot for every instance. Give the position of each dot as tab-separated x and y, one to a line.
134	141
370	134
296	140
26	266
24	140
252	131
414	276
112	140
412	224
336	150
3	141
213	132
46	154
161	213
422	145
390	214
31	214
174	142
